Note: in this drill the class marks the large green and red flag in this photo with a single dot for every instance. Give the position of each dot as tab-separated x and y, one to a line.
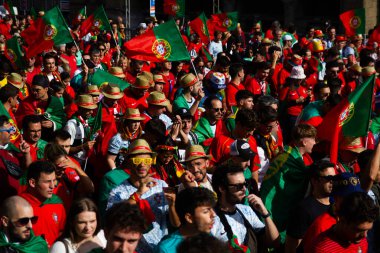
46	32
350	118
199	26
81	15
160	44
97	21
101	77
14	53
174	8
284	185
353	21
223	21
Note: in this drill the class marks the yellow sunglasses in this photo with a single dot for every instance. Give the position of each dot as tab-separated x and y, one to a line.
138	160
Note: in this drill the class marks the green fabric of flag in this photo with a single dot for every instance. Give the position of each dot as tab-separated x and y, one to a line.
96	124
174	8
98	21
14	53
33	245
284	185
101	77
33	13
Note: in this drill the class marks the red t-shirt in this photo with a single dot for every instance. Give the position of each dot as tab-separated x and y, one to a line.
129	101
329	242
169	85
9	184
253	85
30	75
320	224
51	218
292	96
231	91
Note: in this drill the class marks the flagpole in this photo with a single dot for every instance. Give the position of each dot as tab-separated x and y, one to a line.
370	111
113	35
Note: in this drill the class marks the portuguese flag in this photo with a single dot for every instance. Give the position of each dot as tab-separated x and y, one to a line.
46	32
353	21
349	118
284	185
33	13
224	21
375	35
8	5
97	21
14	53
78	18
160	44
174	8
199	26
101	77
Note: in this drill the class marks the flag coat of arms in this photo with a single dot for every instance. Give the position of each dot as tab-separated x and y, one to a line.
160	44
199	26
46	32
353	21
174	8
97	21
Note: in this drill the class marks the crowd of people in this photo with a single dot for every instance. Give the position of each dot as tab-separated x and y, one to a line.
217	155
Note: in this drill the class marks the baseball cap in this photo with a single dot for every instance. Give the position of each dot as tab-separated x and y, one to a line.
184	113
242	149
346	183
218	80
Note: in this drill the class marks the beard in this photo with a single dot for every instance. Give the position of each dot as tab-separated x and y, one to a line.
233	200
14	237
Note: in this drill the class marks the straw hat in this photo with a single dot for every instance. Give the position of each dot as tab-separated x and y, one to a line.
141	83
93	90
86	101
112	91
266	41
297	73
296	60
117	71
368	71
133	114
188	80
159	78
356	67
157	98
195	152
16	80
353	144
139	146
148	76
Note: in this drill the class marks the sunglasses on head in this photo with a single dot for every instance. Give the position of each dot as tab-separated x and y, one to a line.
24	221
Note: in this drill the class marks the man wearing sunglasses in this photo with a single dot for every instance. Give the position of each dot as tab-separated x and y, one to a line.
16	234
147	192
12	161
237	222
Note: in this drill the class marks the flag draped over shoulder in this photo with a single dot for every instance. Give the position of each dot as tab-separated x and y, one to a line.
100	77
284	184
97	21
174	8
353	21
160	44
224	21
46	32
349	118
14	53
199	26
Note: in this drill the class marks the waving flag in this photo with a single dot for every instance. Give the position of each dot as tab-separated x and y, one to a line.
349	118
174	8
199	26
46	32
81	15
14	53
162	43
224	21
353	21
97	21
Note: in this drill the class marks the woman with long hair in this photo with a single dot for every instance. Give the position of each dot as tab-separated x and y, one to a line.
129	129
82	232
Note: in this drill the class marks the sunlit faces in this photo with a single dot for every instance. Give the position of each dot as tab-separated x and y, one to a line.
85	224
44	185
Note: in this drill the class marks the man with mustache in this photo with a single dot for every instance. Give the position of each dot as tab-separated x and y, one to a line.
16	234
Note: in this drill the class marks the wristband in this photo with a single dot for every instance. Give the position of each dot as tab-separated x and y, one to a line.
266	215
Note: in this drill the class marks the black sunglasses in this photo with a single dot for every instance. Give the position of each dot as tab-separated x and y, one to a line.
218	109
328	178
24	221
238	187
